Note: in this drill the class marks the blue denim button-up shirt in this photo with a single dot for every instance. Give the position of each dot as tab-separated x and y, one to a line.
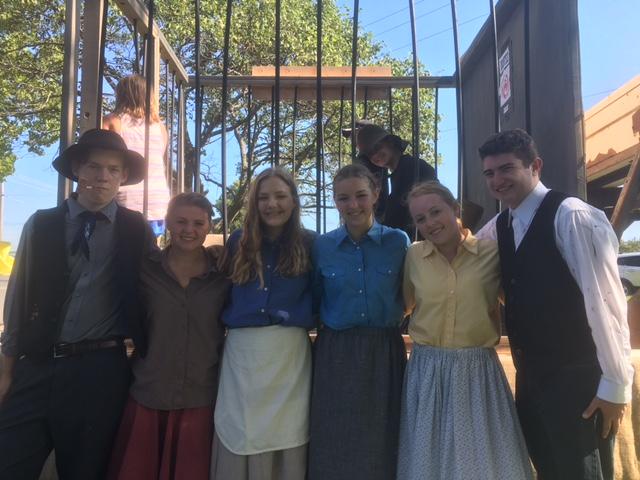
359	283
281	301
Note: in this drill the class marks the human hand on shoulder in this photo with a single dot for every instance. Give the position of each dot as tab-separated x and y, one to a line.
612	415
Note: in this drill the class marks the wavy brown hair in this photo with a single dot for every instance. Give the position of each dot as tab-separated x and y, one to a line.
131	98
246	264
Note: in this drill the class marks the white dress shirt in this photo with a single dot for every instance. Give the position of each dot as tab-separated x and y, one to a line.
589	246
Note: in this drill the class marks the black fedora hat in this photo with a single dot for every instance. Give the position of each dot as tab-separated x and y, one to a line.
95	139
371	135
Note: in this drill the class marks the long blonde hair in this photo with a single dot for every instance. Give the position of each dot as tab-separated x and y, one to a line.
131	98
247	264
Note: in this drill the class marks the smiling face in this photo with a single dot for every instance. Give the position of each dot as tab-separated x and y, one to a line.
436	220
99	178
508	179
385	156
275	205
355	200
188	226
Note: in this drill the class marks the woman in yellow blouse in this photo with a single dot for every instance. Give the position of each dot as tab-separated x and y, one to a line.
458	417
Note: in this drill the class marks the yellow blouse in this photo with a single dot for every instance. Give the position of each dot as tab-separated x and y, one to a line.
454	305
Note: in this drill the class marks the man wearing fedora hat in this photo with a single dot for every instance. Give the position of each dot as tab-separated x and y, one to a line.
71	302
387	152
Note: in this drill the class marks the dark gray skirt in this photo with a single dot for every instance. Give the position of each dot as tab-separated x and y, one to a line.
355	404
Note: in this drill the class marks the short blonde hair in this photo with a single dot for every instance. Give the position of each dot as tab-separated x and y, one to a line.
434	187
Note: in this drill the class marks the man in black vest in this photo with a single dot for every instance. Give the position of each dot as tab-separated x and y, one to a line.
71	301
565	314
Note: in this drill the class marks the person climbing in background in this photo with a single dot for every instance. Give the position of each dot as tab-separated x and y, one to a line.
386	152
128	120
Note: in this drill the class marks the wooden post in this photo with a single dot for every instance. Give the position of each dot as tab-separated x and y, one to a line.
627	199
91	30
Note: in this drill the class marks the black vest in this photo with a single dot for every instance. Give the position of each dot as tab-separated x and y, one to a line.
545	313
48	279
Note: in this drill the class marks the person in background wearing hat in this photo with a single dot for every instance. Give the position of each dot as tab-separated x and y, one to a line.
363	143
386	151
71	301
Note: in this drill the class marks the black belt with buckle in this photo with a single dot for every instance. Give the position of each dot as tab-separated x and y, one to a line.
62	350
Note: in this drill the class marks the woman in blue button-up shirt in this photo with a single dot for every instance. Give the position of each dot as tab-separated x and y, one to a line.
359	353
262	411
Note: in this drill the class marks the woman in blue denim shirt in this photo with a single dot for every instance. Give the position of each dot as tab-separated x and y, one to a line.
359	353
262	411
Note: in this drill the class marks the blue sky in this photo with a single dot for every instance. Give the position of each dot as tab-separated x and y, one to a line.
608	29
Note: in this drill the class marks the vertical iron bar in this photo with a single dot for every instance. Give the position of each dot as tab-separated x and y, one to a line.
415	112
496	68
171	122
390	100
341	121
136	47
319	114
225	100
527	65
149	72
354	86
294	132
198	103
181	138
276	112
459	108
272	131
102	62
435	134
249	138
69	88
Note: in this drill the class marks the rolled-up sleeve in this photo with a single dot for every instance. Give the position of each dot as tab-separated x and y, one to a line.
590	247
16	300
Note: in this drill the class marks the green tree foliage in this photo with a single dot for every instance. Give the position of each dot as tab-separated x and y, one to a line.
30	78
630	246
31	53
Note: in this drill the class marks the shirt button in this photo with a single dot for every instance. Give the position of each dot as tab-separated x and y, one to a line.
451	292
262	310
359	291
362	314
268	266
359	269
266	289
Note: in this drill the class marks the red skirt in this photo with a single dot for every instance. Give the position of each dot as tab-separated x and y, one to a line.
162	444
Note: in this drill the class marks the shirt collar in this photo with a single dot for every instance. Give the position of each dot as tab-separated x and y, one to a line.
529	206
470	243
374	233
162	257
76	209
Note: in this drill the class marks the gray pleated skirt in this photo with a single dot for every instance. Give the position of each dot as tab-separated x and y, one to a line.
458	419
355	404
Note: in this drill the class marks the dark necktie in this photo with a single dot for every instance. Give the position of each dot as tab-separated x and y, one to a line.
85	231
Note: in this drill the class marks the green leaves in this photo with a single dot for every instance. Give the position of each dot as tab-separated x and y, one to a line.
31	53
31	56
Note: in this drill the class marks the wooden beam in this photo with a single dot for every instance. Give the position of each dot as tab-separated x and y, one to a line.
329	82
91	29
136	10
621	213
